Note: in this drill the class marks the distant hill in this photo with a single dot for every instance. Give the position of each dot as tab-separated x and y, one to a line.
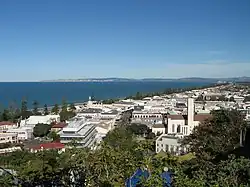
188	79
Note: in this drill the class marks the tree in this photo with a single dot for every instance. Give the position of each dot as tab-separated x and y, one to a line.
35	107
72	107
45	110
66	115
41	130
54	136
218	135
24	110
138	129
5	116
55	109
64	106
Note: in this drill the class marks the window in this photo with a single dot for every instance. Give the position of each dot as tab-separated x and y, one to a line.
167	148
178	128
173	130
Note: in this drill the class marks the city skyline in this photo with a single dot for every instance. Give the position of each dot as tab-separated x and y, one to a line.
50	40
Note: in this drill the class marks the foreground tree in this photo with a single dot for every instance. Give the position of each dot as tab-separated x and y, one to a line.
218	135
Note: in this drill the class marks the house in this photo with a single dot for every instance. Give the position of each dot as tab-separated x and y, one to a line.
8	138
158	128
48	146
10	150
58	126
23	133
80	130
5	125
170	143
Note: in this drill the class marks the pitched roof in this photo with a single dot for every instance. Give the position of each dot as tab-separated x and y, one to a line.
202	117
59	125
159	125
51	145
6	123
176	117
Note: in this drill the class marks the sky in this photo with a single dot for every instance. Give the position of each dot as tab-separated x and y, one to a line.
62	39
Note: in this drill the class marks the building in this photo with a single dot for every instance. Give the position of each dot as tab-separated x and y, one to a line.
33	120
90	112
8	138
23	133
146	117
158	128
48	146
58	126
10	150
80	130
170	143
179	126
5	125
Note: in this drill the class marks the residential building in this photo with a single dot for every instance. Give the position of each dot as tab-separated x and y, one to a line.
5	125
23	133
158	128
80	130
58	126
10	150
170	143
8	138
48	146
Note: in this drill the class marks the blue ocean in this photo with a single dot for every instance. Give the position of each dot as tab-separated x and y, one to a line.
51	93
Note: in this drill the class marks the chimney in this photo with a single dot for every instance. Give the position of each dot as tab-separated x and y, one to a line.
190	109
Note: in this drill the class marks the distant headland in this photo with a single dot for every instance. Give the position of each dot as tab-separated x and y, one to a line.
188	79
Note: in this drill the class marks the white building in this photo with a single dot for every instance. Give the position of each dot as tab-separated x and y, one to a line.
5	125
179	126
80	130
158	128
33	120
170	143
23	133
8	138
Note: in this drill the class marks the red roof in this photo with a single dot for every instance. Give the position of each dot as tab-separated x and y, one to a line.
202	117
51	145
59	125
176	117
6	123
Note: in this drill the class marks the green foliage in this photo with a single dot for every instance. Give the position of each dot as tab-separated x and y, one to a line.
41	130
66	114
121	153
35	108
72	107
55	109
54	136
45	110
218	135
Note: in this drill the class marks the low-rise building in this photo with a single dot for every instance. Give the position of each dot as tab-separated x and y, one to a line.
48	146
8	138
158	128
6	125
170	143
58	126
23	133
33	120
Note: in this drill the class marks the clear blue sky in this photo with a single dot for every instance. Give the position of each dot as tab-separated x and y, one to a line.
52	39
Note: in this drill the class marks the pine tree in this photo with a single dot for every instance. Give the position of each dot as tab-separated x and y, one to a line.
45	110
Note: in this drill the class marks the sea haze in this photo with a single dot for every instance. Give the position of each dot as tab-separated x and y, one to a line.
54	92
